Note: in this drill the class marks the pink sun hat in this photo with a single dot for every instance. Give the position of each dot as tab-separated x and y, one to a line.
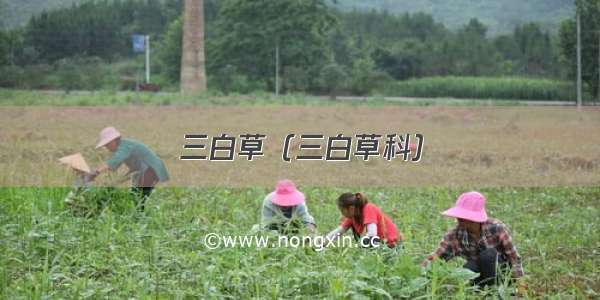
286	194
469	206
107	135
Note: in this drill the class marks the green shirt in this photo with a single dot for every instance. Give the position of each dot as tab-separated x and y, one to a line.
137	157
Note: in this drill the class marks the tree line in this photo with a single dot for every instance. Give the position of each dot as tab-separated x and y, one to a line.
321	50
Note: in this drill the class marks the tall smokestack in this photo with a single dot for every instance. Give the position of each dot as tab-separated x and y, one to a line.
193	74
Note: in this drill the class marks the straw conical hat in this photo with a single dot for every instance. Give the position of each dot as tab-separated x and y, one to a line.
76	161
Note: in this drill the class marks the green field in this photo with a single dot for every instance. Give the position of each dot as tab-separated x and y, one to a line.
429	89
47	252
514	88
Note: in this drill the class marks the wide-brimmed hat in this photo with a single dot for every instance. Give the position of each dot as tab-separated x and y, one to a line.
469	206
107	135
286	194
76	161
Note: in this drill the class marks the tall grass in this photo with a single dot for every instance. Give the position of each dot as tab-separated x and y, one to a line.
47	252
514	88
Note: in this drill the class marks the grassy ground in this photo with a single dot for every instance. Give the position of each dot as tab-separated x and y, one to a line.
58	98
49	253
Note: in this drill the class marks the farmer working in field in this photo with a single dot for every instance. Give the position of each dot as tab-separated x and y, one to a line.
365	218
484	242
83	174
147	168
285	210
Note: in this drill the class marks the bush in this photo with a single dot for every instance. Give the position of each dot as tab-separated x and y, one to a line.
229	80
36	77
295	79
88	73
332	79
244	85
68	75
97	75
364	78
12	76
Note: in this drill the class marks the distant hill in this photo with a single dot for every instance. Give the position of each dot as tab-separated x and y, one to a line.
499	15
14	13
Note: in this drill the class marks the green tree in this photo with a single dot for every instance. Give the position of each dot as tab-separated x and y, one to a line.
403	61
11	47
3	14
472	53
95	28
590	32
248	32
508	47
537	55
4	48
169	53
364	77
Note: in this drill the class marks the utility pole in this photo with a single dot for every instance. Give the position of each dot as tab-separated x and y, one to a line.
578	59
598	89
277	69
147	59
193	73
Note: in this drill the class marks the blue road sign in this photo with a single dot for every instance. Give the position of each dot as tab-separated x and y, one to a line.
139	43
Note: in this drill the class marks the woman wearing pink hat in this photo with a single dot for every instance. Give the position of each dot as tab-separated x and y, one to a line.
484	242
284	210
147	168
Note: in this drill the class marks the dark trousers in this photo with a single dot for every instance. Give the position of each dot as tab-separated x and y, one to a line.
141	195
144	187
490	266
